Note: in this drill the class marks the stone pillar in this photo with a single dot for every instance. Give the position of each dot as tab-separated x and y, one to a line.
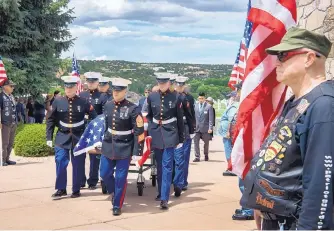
318	16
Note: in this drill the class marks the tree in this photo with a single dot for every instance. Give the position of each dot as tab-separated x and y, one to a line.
33	34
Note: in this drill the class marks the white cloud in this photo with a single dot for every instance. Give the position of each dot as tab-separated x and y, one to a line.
158	31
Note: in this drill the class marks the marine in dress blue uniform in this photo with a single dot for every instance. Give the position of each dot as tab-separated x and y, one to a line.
124	136
68	115
189	123
104	87
165	115
97	99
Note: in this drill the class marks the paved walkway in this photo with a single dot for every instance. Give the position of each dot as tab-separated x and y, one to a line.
26	189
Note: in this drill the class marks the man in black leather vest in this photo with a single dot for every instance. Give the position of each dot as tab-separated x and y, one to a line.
291	176
8	121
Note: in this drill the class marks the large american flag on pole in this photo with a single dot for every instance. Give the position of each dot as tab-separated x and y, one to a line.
262	97
75	72
3	74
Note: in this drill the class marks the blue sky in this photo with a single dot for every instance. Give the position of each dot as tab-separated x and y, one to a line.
178	31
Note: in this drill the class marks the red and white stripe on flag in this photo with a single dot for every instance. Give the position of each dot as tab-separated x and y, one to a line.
3	74
262	97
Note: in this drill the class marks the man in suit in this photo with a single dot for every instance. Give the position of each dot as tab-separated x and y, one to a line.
204	125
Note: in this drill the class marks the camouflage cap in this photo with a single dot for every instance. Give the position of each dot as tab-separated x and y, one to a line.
297	38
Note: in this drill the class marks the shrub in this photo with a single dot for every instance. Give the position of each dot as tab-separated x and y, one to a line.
31	141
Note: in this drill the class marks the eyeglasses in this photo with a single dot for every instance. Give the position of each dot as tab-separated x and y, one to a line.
284	56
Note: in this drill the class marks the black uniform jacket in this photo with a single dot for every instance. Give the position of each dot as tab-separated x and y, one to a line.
95	98
189	114
68	115
124	130
165	115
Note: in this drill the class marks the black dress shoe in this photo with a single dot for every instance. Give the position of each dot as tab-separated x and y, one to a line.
10	162
60	193
4	164
228	173
242	217
196	160
164	205
238	211
76	194
83	185
158	198
116	211
92	187
206	158
185	188
177	191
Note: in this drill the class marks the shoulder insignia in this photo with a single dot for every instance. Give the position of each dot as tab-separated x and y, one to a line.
91	108
139	121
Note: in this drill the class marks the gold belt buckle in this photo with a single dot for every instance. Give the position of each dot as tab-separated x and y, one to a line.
70	125
113	132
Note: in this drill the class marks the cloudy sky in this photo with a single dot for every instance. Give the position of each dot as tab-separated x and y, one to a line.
189	31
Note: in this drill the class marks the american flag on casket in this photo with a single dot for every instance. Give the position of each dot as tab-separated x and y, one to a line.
93	136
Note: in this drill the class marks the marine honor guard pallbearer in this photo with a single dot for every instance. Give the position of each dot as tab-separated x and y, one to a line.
165	113
68	115
97	99
124	136
189	123
291	176
104	87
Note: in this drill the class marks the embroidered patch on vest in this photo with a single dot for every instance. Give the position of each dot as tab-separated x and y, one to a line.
261	200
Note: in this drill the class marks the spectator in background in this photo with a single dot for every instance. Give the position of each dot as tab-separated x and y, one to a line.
20	110
39	112
30	111
209	100
143	99
204	126
48	104
8	121
55	94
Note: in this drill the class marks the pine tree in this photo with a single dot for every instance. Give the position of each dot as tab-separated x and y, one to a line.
35	34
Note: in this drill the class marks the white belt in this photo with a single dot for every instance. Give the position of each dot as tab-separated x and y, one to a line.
72	125
164	121
145	126
121	133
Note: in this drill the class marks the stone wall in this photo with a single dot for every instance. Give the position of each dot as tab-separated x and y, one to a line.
318	16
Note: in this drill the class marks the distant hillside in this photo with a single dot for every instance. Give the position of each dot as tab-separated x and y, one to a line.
142	74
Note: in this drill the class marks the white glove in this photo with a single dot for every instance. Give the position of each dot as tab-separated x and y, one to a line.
136	158
49	143
179	146
192	136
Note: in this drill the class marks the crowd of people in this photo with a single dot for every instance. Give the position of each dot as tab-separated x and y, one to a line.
290	181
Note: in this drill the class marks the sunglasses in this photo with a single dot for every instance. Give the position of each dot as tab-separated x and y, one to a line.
284	56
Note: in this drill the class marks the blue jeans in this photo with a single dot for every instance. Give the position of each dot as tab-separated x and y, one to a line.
228	148
245	211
